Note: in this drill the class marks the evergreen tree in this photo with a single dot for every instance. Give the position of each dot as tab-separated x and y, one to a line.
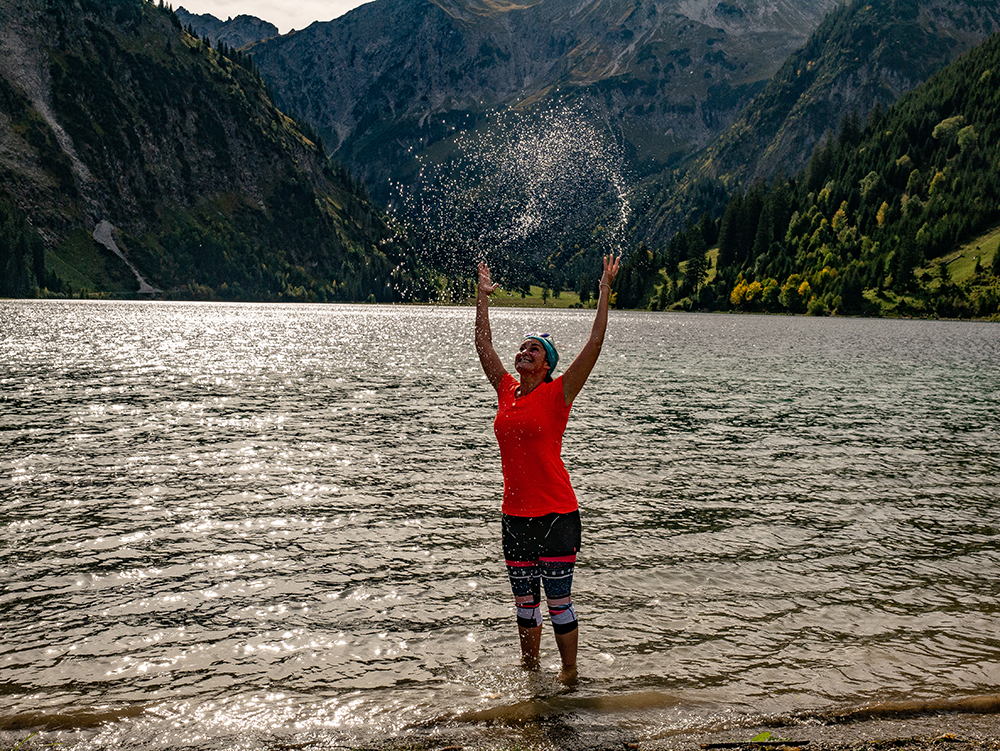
22	255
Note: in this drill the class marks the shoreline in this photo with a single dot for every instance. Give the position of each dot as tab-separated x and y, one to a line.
968	723
959	729
953	732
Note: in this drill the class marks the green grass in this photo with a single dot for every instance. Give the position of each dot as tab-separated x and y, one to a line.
713	261
507	299
961	263
84	264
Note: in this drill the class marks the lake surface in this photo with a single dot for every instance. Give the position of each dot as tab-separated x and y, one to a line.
267	526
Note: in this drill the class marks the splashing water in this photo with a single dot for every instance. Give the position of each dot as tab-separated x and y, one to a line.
525	192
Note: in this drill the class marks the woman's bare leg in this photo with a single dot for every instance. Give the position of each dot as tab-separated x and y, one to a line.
567	652
531	639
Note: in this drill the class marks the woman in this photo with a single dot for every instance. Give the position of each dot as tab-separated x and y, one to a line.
541	517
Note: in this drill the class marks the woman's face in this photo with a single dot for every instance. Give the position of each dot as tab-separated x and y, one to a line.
531	358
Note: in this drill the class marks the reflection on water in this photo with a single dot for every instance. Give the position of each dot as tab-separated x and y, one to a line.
260	524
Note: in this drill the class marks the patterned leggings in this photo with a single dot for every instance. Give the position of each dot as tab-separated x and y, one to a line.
541	553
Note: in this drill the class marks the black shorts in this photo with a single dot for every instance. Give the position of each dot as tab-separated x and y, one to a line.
528	538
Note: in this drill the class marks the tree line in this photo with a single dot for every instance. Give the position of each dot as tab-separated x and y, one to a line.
873	208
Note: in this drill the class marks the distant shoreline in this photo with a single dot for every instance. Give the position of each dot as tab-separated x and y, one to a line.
568	301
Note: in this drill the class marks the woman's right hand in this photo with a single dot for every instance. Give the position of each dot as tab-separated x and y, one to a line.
488	357
611	263
486	286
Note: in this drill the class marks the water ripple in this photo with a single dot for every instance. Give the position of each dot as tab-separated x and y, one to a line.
232	521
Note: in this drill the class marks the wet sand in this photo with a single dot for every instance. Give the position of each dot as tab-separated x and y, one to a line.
943	732
967	724
909	729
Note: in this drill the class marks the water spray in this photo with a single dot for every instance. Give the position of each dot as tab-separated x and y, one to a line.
525	192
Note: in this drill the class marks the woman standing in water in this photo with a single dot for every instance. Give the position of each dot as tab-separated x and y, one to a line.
541	517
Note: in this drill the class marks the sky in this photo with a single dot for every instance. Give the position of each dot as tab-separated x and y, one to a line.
282	13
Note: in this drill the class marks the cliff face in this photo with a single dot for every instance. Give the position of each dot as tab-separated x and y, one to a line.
865	55
393	77
110	112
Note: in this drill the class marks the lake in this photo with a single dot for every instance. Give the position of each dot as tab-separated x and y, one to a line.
275	526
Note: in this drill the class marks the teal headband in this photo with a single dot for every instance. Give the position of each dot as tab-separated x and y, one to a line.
550	350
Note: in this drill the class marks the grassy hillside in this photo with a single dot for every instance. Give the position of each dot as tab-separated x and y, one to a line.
116	114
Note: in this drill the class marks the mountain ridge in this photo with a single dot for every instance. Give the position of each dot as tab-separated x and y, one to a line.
896	216
389	79
234	32
863	56
701	94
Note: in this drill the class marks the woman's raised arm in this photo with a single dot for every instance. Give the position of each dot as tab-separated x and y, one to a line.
488	357
577	373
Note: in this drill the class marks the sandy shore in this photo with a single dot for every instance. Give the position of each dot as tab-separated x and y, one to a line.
945	732
965	724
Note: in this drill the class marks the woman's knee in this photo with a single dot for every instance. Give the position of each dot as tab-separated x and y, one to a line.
562	614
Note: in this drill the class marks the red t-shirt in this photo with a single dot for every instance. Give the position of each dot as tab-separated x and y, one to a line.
529	430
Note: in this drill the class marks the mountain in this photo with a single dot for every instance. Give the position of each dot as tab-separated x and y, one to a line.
899	216
394	79
135	157
863	56
691	99
233	32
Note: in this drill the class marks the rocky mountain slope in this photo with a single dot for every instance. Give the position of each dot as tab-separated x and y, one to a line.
898	217
864	55
394	77
133	148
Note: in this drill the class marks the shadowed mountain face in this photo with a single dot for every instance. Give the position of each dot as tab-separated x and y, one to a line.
431	101
394	77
